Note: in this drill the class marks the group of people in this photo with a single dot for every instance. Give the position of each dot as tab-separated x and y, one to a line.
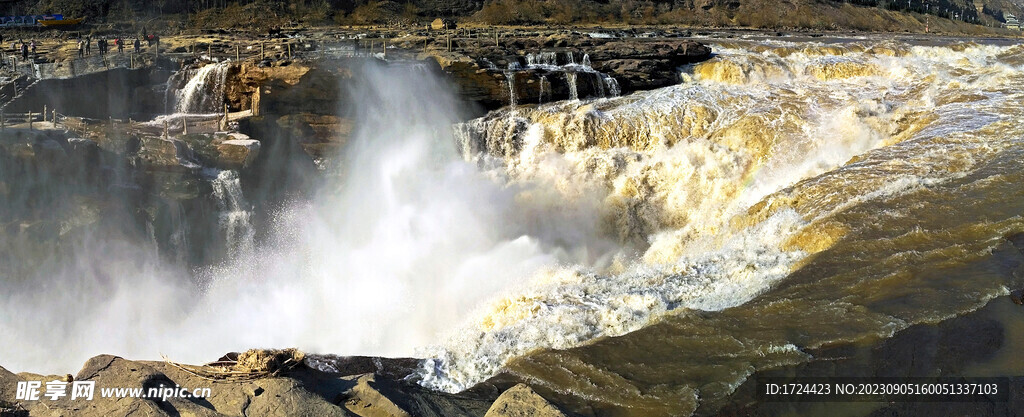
85	44
23	47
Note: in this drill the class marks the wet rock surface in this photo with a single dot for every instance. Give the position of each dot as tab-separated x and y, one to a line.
545	69
971	345
521	401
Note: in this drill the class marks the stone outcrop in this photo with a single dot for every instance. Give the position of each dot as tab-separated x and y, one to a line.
482	70
298	391
522	401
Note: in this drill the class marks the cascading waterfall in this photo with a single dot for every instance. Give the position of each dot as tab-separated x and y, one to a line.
179	226
726	184
543	89
204	91
510	78
235	212
542	58
545	230
605	85
570	79
611	84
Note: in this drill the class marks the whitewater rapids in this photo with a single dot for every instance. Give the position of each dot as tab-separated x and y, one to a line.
521	241
706	194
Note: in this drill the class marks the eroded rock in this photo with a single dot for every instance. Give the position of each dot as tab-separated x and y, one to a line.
522	401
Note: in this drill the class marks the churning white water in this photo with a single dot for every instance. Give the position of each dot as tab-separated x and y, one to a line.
535	228
235	212
382	262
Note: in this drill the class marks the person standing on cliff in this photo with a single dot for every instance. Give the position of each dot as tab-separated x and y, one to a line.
34	54
81	48
138	45
24	51
120	45
88	45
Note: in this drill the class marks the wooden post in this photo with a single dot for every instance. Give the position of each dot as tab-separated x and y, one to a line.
289	49
131	60
255	106
209	50
54	119
224	122
495	37
44	113
237	54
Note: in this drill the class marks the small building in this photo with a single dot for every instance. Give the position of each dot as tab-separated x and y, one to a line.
439	24
1011	21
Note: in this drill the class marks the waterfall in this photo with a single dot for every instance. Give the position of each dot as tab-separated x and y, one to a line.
549	59
180	246
235	212
570	79
204	91
510	76
611	84
599	83
543	84
596	84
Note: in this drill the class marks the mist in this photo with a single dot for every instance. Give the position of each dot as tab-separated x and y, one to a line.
398	245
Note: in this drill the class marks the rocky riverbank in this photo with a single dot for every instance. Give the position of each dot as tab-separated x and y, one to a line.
290	383
492	67
265	383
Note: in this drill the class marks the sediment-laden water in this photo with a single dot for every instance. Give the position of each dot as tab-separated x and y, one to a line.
640	253
784	197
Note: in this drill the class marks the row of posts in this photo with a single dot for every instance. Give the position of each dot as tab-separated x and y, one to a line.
30	118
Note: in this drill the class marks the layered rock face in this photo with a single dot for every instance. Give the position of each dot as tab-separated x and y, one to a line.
531	70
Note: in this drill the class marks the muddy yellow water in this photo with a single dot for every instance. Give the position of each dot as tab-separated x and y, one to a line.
784	197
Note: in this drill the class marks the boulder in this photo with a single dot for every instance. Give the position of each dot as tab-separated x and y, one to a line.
522	401
237	153
366	400
439	24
